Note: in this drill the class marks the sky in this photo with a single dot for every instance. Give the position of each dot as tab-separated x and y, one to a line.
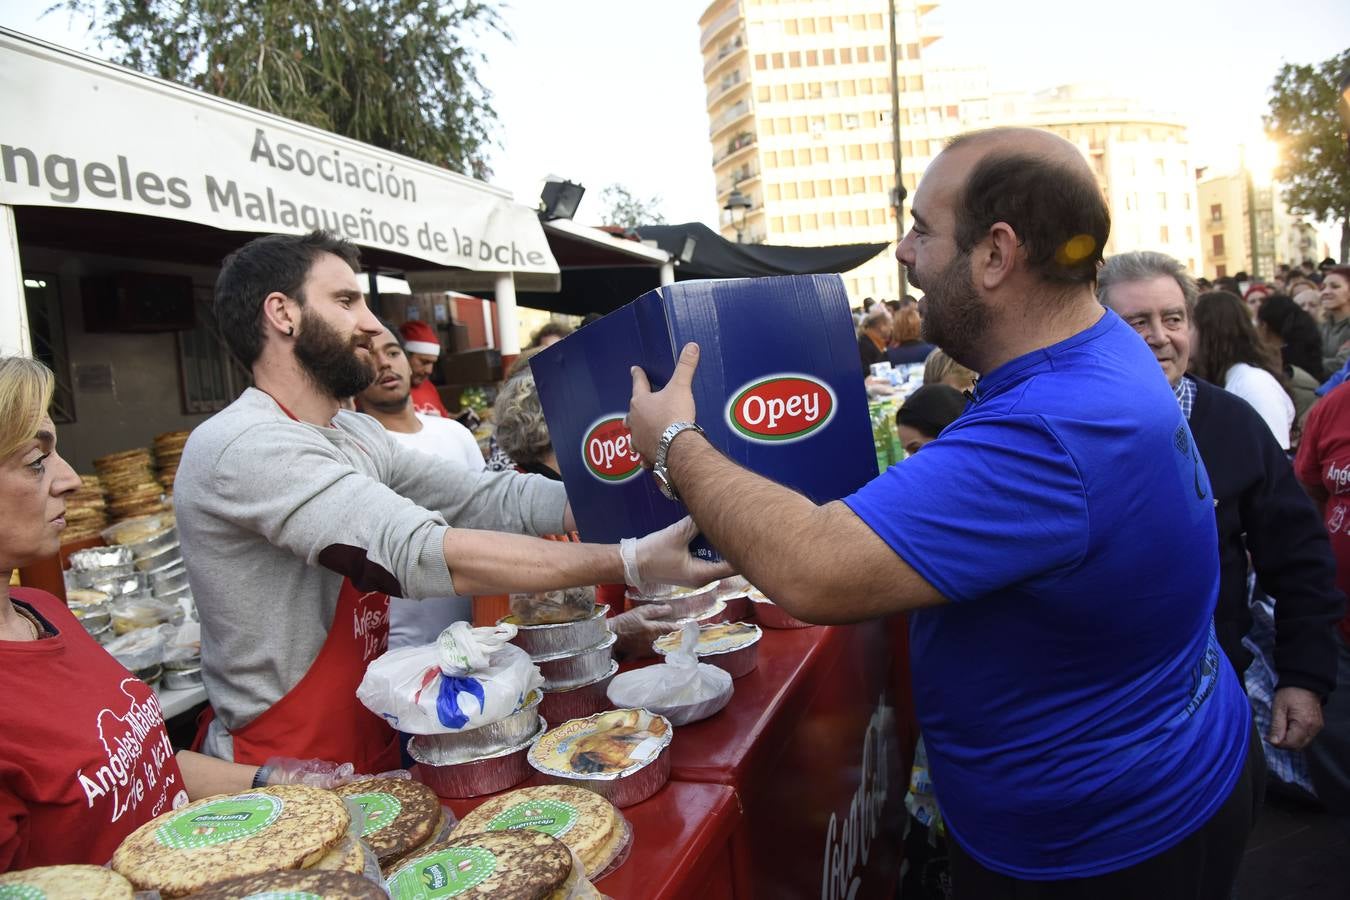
611	91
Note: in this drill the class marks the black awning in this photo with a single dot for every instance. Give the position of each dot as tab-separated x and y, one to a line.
699	252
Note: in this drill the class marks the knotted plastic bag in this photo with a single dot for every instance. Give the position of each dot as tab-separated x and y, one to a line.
682	689
469	678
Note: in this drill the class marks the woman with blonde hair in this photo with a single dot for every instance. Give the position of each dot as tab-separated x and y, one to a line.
84	755
907	346
939	368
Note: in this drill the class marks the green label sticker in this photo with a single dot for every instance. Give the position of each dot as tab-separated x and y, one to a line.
380	808
447	873
283	895
549	816
21	892
219	822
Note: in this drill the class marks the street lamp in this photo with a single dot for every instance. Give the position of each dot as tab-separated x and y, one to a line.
739	205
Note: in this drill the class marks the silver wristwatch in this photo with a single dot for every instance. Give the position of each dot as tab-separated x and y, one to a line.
659	471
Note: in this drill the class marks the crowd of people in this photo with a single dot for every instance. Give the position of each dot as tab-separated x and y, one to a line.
1127	604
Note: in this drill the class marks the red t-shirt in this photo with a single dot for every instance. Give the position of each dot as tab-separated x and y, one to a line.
1324	459
427	401
84	757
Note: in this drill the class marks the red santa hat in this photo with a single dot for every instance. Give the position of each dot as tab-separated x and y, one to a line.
419	337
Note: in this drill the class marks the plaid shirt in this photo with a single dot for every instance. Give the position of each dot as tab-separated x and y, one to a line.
1185	391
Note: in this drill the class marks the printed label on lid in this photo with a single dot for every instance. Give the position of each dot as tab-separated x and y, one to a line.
781	408
220	822
608	450
447	873
21	892
549	816
380	808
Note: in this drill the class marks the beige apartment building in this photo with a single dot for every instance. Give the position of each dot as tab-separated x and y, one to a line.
799	110
1142	159
1236	209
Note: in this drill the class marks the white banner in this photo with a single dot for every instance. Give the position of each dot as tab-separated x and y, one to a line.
90	135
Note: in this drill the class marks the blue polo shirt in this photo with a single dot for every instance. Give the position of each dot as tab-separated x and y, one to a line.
1078	713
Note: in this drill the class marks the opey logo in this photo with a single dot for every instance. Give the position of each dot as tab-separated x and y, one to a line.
608	450
781	408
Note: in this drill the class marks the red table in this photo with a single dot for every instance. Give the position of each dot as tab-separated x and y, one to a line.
682	843
818	748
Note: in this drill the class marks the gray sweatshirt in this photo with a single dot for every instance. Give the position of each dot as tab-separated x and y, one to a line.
273	513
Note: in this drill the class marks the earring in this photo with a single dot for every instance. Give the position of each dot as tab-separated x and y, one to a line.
290	332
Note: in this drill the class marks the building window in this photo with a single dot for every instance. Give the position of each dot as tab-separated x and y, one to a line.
1218	245
874	184
797	91
795	59
813	57
1160	167
823	189
808	26
761	61
1162	200
1190	234
827	55
1220	271
1187	198
777	59
911	51
870	152
845	218
807	190
211	377
47	334
841	187
857	185
827	219
763	93
846	55
864	55
1164	235
855	153
876	217
780	93
1216	212
771	192
859	23
809	222
851	121
847	88
875	22
820	154
793	223
789	26
790	191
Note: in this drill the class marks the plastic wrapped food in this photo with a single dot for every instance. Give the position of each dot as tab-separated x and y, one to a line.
141	649
132	613
553	607
682	689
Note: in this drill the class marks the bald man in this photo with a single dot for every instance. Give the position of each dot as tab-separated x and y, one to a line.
1056	547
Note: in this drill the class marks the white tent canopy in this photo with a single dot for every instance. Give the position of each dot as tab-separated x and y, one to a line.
76	132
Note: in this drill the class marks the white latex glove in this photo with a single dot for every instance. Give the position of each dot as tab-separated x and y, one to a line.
663	557
318	772
639	628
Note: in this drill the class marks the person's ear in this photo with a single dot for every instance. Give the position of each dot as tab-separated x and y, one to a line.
995	257
281	313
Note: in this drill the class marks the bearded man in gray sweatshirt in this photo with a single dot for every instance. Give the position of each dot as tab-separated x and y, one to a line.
299	519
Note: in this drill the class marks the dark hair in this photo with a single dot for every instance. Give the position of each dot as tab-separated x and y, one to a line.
1298	330
1057	212
1225	337
384	323
550	329
931	408
276	262
1343	271
906	325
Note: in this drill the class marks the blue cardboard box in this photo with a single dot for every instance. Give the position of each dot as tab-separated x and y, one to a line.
778	390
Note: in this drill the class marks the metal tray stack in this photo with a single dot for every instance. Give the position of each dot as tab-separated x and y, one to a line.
577	662
158	559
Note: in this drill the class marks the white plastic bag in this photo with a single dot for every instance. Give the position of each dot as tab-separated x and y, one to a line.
469	678
682	689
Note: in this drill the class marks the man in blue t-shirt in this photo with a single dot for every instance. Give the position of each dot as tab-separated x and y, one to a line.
1086	736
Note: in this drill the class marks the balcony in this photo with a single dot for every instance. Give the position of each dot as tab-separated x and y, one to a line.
725	53
729	82
719	24
728	118
743	176
738	144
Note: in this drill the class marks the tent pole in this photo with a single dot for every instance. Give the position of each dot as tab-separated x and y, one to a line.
898	192
14	337
508	329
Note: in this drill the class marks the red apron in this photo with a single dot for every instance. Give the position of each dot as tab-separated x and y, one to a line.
320	718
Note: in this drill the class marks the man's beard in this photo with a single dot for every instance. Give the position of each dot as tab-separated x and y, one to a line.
955	318
331	362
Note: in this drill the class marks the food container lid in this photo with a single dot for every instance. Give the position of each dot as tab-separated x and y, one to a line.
162	559
662	592
601	610
713	640
95	558
603	747
138	529
712	612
